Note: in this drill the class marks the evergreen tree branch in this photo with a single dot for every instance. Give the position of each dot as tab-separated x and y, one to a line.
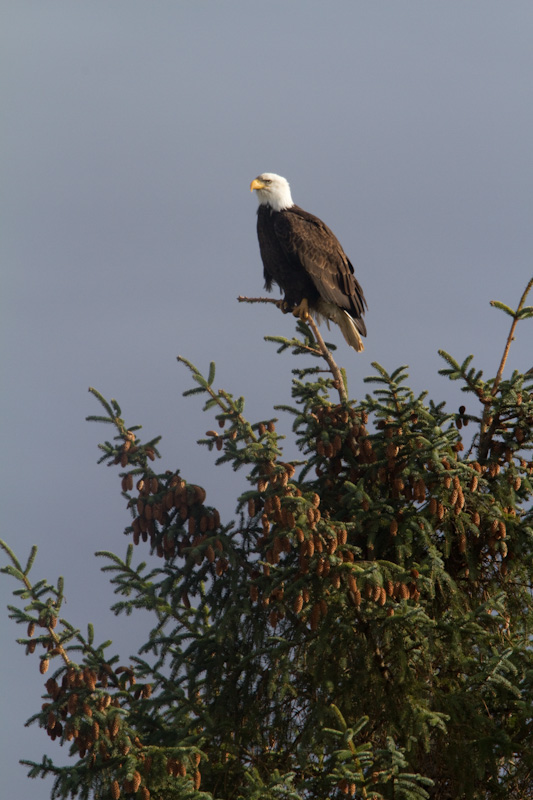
490	420
46	612
517	315
353	750
230	408
335	370
338	378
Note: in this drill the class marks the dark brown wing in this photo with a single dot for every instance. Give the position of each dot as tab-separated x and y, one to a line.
279	265
304	236
272	254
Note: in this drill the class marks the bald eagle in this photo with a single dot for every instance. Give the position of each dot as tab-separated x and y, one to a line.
304	258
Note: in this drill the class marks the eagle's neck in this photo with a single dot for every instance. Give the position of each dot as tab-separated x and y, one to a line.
278	199
279	206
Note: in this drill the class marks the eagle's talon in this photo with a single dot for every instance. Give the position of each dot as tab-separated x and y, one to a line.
283	306
302	310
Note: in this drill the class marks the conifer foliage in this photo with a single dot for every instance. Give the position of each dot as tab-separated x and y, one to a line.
361	629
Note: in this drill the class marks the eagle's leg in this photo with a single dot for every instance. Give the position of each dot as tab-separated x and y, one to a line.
302	310
283	306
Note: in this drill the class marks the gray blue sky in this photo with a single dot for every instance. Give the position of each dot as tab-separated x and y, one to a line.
131	132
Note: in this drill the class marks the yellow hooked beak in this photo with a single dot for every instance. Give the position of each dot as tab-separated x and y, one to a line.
256	184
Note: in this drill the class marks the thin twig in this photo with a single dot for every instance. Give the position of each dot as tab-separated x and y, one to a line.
333	366
510	338
243	299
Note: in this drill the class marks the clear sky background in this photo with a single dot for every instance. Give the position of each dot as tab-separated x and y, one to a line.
131	132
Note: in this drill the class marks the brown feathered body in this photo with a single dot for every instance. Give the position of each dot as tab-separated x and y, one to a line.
305	259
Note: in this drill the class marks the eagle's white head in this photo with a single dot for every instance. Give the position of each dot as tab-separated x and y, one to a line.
272	190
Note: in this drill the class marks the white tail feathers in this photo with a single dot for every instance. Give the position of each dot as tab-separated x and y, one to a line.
345	322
